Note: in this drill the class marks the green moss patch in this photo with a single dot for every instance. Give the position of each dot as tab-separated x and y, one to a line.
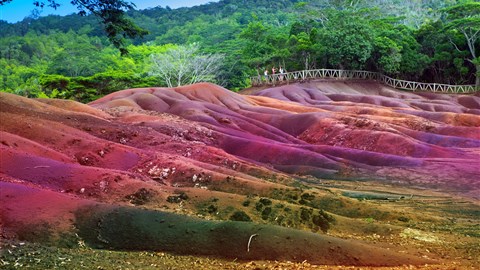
126	228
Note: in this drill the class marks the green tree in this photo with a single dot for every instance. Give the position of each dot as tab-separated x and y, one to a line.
303	50
436	45
388	53
78	57
347	40
111	14
235	71
257	52
464	19
396	51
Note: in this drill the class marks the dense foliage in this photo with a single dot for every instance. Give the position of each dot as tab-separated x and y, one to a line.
70	56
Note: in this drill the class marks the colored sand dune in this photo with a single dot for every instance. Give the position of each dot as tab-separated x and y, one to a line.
69	168
333	129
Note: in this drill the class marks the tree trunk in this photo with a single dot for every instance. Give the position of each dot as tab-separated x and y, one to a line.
477	75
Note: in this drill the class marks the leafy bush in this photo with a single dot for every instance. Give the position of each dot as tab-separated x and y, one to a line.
265	201
259	206
177	199
211	209
86	89
141	197
321	222
305	213
266	213
307	196
240	216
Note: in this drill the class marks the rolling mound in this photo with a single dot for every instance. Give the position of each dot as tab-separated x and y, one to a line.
320	129
123	171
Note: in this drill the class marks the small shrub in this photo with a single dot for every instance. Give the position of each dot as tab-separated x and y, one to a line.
280	219
140	197
321	222
173	199
265	201
266	213
326	216
292	196
211	209
259	206
246	203
303	202
307	196
177	199
369	220
305	214
240	216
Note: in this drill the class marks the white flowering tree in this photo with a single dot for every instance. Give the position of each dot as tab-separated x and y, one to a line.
184	65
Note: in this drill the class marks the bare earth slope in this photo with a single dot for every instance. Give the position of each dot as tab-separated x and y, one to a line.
334	130
72	173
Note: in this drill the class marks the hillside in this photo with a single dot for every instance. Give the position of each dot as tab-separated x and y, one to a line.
70	57
363	174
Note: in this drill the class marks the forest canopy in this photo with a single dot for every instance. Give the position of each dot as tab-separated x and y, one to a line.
72	57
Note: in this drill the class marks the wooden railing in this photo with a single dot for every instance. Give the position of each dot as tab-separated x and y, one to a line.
304	75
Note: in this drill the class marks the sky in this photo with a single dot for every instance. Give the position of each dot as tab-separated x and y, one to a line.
17	10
